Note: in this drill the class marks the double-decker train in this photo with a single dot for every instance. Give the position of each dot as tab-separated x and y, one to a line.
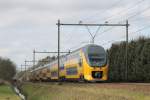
88	63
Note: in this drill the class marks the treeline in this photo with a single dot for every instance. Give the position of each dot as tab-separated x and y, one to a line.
7	69
138	61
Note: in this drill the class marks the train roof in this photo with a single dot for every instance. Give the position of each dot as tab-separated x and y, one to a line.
86	46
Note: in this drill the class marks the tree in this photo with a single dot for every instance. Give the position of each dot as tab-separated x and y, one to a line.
7	69
145	59
138	61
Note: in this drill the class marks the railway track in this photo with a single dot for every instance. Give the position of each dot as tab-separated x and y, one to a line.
92	83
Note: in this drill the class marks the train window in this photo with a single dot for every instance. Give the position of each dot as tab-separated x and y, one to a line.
62	67
72	71
54	74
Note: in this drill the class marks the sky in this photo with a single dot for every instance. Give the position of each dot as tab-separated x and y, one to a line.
26	25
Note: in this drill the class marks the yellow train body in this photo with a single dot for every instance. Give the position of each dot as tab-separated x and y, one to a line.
76	66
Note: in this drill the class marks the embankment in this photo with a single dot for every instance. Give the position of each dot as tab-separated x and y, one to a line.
86	91
6	93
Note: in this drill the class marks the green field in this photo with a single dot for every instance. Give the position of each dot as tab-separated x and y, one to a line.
76	91
6	93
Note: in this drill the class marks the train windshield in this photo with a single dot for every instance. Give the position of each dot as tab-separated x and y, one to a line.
97	60
96	56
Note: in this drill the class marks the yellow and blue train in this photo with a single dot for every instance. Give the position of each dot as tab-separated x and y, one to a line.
88	63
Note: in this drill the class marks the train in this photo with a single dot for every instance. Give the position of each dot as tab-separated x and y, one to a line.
88	63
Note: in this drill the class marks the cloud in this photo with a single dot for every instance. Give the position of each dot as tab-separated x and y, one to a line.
4	51
31	24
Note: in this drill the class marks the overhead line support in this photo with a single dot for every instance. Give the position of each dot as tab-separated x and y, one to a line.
93	24
106	24
58	52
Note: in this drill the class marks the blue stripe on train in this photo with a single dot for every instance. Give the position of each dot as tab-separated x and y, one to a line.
54	74
72	71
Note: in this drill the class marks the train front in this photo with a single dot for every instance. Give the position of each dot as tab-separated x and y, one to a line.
95	63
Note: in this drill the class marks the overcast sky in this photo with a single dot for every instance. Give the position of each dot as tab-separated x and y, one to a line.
31	24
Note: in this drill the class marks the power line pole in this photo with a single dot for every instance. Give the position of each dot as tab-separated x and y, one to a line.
58	24
21	68
127	25
33	57
25	70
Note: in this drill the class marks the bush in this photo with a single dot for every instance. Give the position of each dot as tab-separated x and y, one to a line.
7	69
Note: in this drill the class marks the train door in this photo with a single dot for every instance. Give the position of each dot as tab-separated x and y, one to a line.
80	66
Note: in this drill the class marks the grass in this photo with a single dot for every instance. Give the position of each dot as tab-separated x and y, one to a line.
6	93
71	91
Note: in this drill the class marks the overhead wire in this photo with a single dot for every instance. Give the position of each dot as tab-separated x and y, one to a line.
141	29
79	45
132	16
93	36
96	32
69	37
139	2
114	4
122	11
129	8
89	31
